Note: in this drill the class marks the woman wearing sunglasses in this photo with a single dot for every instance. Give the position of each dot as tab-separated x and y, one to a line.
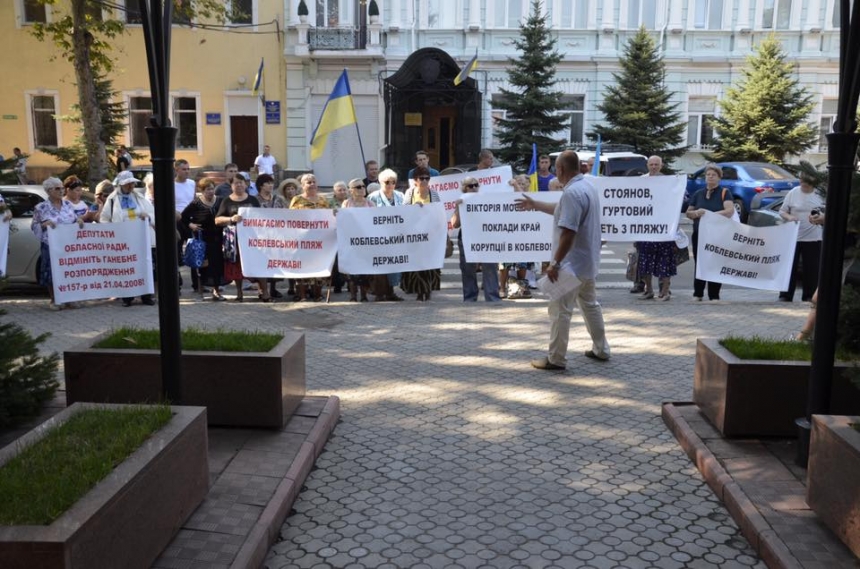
422	283
469	271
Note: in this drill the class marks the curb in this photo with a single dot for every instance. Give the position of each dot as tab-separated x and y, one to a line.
753	525
252	554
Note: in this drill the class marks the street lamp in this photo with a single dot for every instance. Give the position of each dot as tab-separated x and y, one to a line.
157	17
841	158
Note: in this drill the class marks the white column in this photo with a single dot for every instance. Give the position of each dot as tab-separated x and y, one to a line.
676	10
743	22
474	14
394	23
608	20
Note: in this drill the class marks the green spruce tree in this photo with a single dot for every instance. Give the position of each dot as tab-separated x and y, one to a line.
637	109
532	108
113	120
765	115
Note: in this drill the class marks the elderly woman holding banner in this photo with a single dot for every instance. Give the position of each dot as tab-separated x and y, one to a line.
710	198
422	283
469	271
357	283
387	196
309	199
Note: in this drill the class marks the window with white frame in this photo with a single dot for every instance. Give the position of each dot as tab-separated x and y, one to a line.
641	13
440	14
700	129
132	13
708	15
34	11
574	114
43	114
508	13
241	11
496	115
828	117
185	121
574	14
328	13
835	16
776	15
139	111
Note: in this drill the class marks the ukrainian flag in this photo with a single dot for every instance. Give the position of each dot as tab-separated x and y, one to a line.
467	69
338	112
258	79
533	181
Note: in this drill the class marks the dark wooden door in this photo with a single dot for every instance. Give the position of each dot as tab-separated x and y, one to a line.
438	124
243	141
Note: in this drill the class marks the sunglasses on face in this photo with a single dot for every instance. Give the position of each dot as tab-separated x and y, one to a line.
356	187
387	182
424	178
471	185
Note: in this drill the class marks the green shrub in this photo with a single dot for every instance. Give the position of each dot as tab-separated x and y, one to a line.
193	339
27	379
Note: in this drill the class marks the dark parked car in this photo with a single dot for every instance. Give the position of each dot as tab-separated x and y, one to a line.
746	180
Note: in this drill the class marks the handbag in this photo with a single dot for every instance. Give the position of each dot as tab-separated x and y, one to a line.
230	244
194	255
682	255
449	247
632	265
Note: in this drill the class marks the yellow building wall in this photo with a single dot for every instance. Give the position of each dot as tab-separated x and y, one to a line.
204	62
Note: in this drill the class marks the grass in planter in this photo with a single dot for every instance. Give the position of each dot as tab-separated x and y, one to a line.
49	476
193	339
759	348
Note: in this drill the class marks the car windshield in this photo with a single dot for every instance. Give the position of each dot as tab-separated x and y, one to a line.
767	172
627	166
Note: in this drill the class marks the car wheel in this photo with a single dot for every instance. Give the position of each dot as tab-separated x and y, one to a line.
739	207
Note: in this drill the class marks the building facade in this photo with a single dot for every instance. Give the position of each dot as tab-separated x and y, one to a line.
401	66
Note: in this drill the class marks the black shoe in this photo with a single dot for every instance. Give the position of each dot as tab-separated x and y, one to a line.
148	300
275	293
637	290
126	302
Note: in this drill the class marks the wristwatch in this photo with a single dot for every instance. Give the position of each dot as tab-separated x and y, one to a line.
555	265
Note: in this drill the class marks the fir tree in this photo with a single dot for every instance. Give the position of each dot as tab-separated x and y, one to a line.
637	109
532	109
764	116
113	120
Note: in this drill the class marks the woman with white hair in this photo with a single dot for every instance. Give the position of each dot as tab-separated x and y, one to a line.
48	215
124	205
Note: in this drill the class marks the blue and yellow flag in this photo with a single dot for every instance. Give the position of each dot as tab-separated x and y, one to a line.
595	170
338	112
258	79
533	181
467	69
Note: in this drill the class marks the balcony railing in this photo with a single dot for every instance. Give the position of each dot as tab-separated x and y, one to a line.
337	39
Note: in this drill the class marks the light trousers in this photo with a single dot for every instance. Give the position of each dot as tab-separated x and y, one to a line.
560	313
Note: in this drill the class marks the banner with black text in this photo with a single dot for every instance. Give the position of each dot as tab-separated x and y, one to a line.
754	257
450	188
287	243
377	241
640	208
103	260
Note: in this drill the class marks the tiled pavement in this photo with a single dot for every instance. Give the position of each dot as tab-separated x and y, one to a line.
453	452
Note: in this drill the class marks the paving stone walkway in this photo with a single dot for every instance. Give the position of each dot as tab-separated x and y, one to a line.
453	452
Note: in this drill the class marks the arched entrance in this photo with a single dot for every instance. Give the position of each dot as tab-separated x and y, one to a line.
426	111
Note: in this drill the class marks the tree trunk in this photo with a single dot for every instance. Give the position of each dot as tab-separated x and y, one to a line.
91	120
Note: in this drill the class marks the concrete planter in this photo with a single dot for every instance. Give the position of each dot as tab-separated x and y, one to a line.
833	484
128	518
240	389
759	397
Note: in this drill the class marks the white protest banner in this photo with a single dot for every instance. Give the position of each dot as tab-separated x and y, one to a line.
641	208
103	260
493	231
378	241
491	180
753	257
286	243
4	246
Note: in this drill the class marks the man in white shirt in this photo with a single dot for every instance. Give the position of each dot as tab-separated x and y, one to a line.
265	162
184	188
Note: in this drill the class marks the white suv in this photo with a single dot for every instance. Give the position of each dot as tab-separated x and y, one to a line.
613	163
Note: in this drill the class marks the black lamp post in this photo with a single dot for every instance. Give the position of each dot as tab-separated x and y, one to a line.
157	16
841	158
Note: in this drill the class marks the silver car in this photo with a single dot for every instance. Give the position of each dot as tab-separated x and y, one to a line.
23	262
